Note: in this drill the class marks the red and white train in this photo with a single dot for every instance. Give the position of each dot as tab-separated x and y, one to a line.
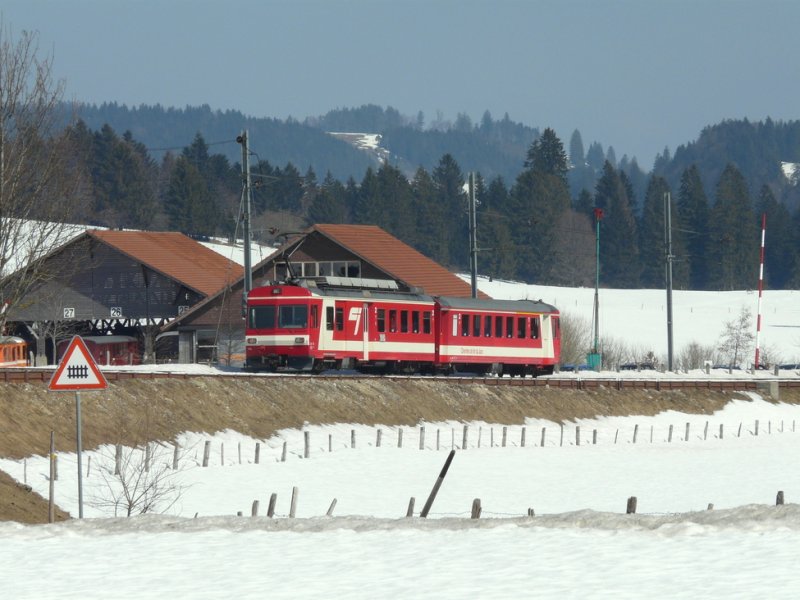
308	326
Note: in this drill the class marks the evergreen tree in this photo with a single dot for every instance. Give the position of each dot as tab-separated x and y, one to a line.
576	154
449	182
546	155
619	252
189	205
595	157
497	256
651	234
430	216
395	191
733	249
368	208
693	221
328	205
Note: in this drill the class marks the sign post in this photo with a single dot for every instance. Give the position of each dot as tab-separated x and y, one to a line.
78	371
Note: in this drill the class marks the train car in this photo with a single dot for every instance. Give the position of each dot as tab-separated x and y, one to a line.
13	351
514	337
309	327
108	349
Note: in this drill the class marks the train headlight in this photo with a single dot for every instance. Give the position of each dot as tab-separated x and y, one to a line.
299	340
252	341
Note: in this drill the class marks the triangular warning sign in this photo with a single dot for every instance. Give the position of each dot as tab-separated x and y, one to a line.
77	370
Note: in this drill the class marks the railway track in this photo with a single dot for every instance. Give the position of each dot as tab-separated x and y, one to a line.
43	375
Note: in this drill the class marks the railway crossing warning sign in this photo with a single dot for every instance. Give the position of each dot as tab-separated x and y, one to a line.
77	370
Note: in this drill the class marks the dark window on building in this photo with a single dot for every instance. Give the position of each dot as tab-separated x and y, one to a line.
381	320
426	322
339	319
404	321
329	318
262	317
521	326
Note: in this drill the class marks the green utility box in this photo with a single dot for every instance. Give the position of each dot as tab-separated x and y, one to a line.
593	360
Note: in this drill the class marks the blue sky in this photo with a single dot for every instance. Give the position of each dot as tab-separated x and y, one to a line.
636	75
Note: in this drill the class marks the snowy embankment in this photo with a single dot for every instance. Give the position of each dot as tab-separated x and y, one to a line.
579	543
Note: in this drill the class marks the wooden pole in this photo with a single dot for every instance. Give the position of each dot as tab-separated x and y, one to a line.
175	457
352	438
740	429
616	435
631	508
480	433
505	436
720	431
410	510
240	452
330	508
254	509
438	431
283	453
206	453
705	432
306	444
258	452
464	439
544	429
522	438
594	437
221	453
378	436
273	499
422	438
561	441
330	442
635	432
476	509
779	499
686	437
437	485
400	438
293	506
117	459
669	437
578	435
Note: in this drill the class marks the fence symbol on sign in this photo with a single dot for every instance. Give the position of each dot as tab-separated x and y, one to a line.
78	370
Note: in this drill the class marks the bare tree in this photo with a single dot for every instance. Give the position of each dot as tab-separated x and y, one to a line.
137	480
694	356
38	184
576	338
737	338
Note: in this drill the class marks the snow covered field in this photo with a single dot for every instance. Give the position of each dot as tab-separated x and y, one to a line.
579	544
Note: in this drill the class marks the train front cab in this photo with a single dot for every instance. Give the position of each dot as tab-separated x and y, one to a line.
282	330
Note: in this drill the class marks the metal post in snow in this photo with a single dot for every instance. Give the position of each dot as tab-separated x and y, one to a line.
79	450
760	288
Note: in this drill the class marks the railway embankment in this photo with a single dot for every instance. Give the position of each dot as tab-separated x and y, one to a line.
132	411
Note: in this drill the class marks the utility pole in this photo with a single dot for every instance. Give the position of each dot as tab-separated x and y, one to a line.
669	257
595	362
473	239
243	139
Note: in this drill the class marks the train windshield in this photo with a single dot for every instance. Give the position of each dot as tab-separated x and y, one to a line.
293	316
262	317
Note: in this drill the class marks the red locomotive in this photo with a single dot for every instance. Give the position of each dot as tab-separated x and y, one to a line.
312	325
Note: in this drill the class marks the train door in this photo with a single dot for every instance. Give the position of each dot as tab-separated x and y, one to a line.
356	343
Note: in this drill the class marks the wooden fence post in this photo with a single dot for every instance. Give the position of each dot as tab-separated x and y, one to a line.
720	431
669	437
594	437
464	439
254	509
410	510
522	438
705	432
635	432
437	485
491	437
476	509
740	429
400	438
543	434
257	457
147	450
779	499
631	508
283	452
378	436
561	440
306	444
578	435
756	427
480	432
273	499
330	442
117	459
293	506
206	453
221	453
352	438
437	438
651	434
422	438
616	435
175	457
686	437
710	506
505	436
330	508
531	513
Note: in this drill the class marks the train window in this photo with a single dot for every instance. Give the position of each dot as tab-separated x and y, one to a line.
476	325
415	321
509	327
292	316
314	317
404	321
329	318
426	321
556	328
381	318
262	317
464	325
487	326
339	319
498	327
392	321
534	328
521	327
